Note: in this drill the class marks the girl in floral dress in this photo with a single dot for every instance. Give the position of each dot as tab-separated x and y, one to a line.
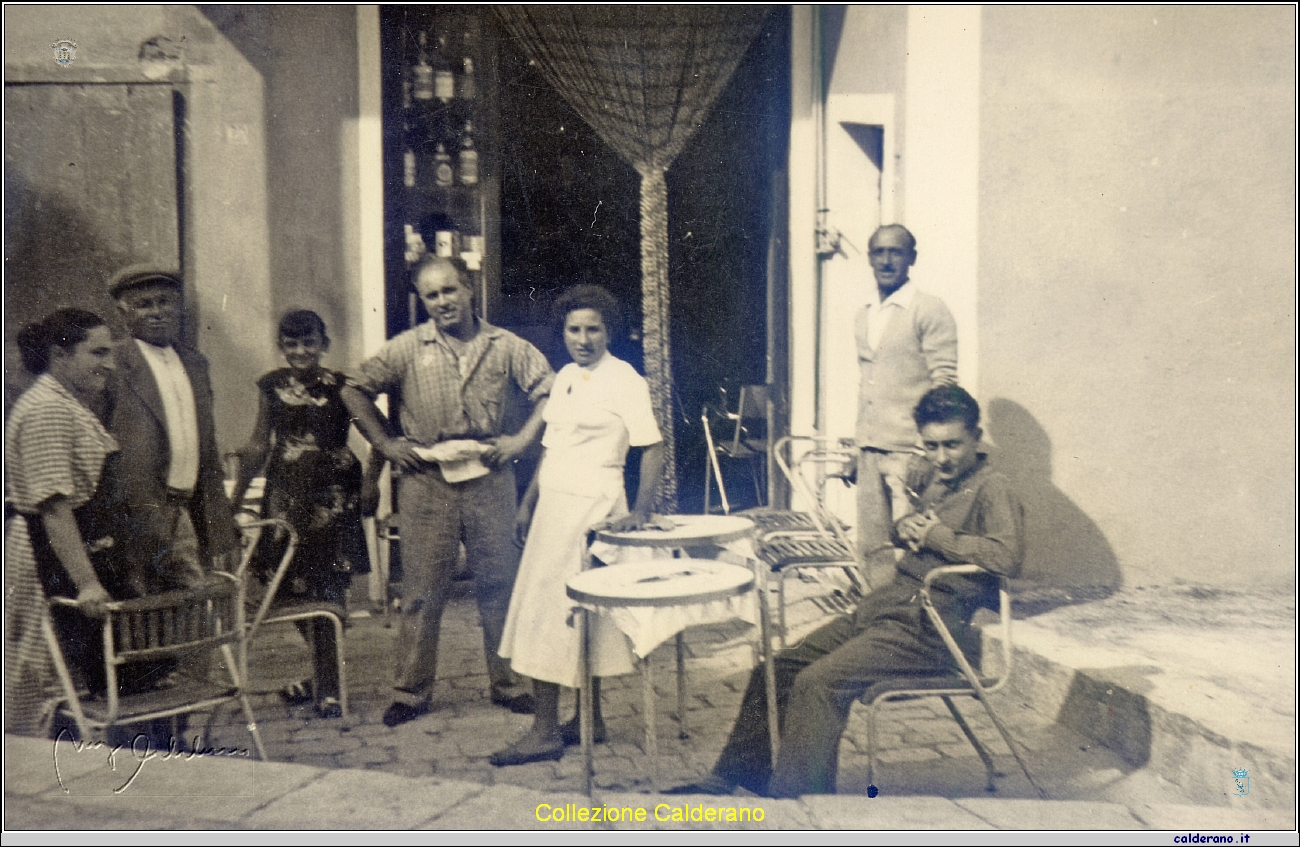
313	481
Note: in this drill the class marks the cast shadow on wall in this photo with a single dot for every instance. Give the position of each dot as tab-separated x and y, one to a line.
1067	558
54	258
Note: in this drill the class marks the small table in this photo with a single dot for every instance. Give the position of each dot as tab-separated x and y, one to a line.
687	531
666	582
674	532
698	530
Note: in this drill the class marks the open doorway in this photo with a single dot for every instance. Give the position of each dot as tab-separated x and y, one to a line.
570	213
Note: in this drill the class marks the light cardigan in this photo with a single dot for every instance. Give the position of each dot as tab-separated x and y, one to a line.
917	352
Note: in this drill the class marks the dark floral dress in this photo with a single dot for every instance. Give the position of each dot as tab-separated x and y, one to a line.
313	481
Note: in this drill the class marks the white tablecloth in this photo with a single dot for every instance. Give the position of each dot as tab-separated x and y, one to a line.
647	626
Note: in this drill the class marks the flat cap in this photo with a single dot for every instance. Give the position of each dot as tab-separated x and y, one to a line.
134	276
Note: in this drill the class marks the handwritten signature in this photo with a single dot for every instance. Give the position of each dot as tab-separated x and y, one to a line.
140	751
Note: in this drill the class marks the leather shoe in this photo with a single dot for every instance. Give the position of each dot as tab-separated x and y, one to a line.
297	693
520	704
570	733
711	784
525	751
330	707
400	713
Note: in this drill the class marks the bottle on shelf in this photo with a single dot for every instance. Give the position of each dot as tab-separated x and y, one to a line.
468	86
467	159
443	176
408	167
444	81
415	246
422	86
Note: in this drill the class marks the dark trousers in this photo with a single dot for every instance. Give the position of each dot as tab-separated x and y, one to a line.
817	682
435	517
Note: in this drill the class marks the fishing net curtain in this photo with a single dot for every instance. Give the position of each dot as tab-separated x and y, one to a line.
643	77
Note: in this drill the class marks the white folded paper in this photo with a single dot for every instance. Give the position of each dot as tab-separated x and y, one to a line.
459	460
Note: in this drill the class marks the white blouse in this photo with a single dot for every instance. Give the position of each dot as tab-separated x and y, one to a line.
593	415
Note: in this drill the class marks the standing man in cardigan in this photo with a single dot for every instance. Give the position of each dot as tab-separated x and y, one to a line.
907	344
161	415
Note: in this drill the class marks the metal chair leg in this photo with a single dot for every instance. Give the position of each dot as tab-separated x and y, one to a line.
780	609
973	679
341	659
238	678
585	708
65	679
648	699
871	743
983	752
769	673
682	731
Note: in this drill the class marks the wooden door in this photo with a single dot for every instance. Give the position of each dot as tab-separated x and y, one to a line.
90	186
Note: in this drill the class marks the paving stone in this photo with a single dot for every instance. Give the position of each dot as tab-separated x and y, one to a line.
30	763
329	745
55	814
907	754
960	750
323	760
514	808
929	736
776	814
1178	817
366	757
199	791
1034	814
899	813
390	802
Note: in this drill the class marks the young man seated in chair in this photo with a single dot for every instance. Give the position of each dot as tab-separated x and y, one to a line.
963	512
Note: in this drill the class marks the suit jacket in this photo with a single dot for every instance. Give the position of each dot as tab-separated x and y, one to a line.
137	420
917	352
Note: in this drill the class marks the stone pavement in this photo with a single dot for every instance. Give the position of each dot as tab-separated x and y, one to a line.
355	773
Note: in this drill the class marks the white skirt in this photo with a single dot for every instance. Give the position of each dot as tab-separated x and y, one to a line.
541	633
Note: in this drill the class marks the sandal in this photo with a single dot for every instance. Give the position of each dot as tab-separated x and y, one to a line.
528	750
297	693
329	708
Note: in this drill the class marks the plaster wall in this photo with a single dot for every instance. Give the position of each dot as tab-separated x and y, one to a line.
225	238
1137	272
308	59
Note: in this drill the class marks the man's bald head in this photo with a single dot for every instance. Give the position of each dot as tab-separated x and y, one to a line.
895	229
891	251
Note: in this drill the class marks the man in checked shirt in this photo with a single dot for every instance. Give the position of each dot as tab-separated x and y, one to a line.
452	377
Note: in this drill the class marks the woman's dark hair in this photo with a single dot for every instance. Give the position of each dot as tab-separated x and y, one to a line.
591	297
947	403
302	324
65	328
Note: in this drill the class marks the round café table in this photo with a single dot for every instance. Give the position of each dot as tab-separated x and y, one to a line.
665	583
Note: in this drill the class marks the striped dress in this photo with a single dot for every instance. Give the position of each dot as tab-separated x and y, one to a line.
54	446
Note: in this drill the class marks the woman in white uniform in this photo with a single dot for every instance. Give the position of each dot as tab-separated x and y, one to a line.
598	407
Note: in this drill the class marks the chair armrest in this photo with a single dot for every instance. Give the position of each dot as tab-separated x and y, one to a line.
943	570
217	584
948	570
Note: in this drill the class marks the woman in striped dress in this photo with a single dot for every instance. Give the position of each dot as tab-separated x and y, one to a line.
56	450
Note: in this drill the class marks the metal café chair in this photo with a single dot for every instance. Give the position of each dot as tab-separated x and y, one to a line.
175	626
793	541
970	683
269	613
747	440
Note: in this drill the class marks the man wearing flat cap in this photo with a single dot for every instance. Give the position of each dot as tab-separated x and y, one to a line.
161	416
